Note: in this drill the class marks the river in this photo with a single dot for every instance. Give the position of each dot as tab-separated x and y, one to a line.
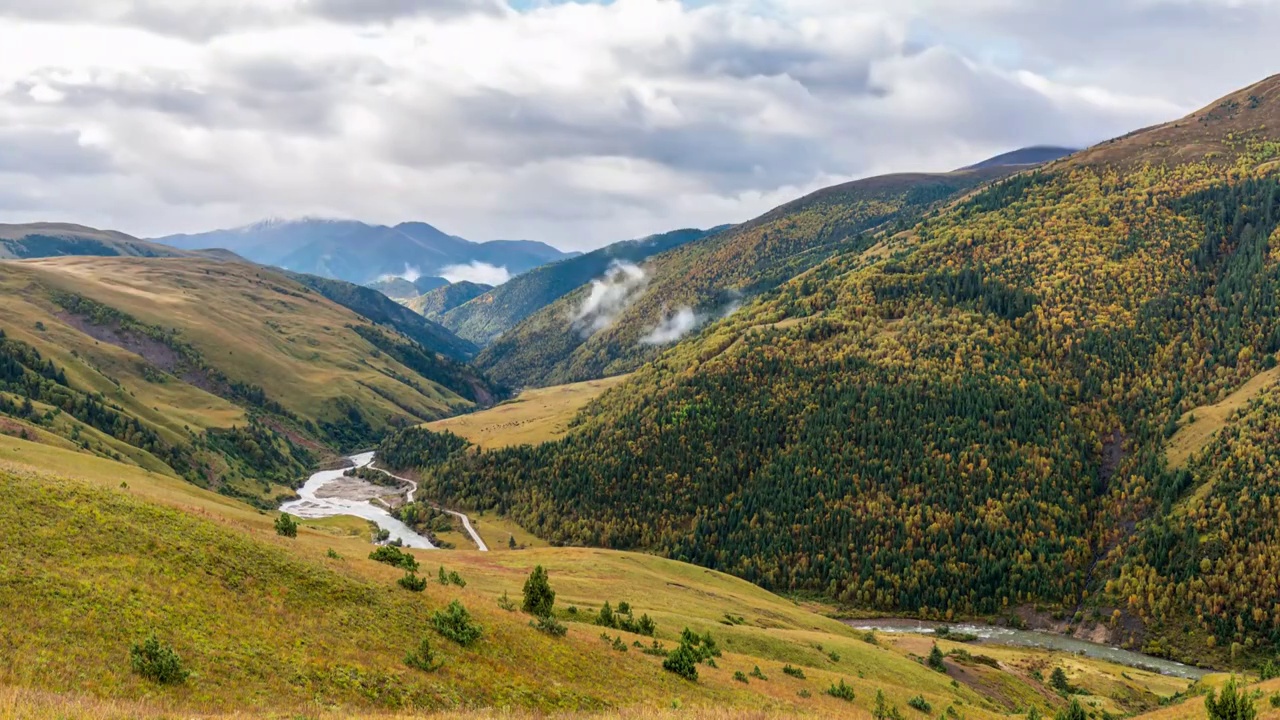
1035	638
310	506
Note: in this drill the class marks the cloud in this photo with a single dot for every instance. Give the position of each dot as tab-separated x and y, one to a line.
411	273
672	328
579	123
476	272
609	297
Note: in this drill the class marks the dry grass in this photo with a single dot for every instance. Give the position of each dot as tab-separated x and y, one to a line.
534	417
1199	426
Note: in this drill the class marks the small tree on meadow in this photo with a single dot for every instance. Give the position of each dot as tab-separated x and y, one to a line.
539	598
1074	711
286	525
935	659
1235	703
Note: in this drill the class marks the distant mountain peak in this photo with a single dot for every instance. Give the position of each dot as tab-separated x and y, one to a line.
1032	155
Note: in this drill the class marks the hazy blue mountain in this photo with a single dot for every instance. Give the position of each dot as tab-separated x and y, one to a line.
362	253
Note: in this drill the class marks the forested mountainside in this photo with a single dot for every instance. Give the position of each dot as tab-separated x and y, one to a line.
502	308
38	240
701	281
435	303
969	416
227	374
383	310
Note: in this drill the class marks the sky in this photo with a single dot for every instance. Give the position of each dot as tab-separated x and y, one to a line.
574	123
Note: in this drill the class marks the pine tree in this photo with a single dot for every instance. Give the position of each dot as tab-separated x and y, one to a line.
1235	703
935	659
539	598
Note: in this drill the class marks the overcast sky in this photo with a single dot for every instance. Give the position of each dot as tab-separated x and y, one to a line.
573	123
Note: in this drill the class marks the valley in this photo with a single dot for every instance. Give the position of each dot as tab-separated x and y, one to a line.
985	444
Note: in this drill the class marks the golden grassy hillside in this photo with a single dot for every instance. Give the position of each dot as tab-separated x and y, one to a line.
535	416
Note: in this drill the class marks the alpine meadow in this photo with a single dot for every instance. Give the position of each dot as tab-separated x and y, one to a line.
887	361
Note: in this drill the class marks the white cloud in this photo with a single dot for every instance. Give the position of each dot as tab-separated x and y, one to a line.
476	272
672	328
577	123
610	295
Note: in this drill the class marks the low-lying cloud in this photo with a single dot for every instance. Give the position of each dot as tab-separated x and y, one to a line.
610	295
476	272
672	328
411	273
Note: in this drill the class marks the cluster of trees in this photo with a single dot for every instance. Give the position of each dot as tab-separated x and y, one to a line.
974	423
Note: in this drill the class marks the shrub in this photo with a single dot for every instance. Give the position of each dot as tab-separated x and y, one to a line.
157	661
539	598
286	525
683	661
883	711
394	557
919	703
333	555
757	674
1074	711
619	645
794	672
1235	703
550	626
1269	670
455	623
835	656
656	649
605	616
424	658
1275	700
412	582
870	637
1058	681
843	691
935	659
505	602
740	677
443	576
456	579
804	693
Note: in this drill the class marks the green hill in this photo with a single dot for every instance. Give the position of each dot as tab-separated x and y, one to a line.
701	281
490	315
435	303
228	374
967	417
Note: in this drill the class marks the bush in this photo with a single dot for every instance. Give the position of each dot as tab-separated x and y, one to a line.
843	691
456	579
333	554
539	598
919	703
286	525
1275	700
804	693
835	656
757	674
1074	711
1235	703
794	672
683	661
412	582
883	711
157	661
505	602
455	623
618	645
1058	681
935	659
1269	670
424	658
550	626
394	557
740	677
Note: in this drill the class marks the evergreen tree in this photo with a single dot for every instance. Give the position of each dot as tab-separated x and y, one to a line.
539	598
1235	703
935	659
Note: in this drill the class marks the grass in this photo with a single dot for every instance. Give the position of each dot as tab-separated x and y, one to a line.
497	531
271	625
1198	427
534	417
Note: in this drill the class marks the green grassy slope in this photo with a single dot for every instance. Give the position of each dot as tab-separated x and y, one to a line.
97	555
486	317
714	275
227	374
970	417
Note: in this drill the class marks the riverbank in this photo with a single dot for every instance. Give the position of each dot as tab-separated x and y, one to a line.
993	635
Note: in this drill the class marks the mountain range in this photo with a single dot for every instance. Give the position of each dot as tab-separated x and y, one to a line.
362	253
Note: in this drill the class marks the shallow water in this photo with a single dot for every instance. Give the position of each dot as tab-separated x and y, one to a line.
310	506
1036	638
